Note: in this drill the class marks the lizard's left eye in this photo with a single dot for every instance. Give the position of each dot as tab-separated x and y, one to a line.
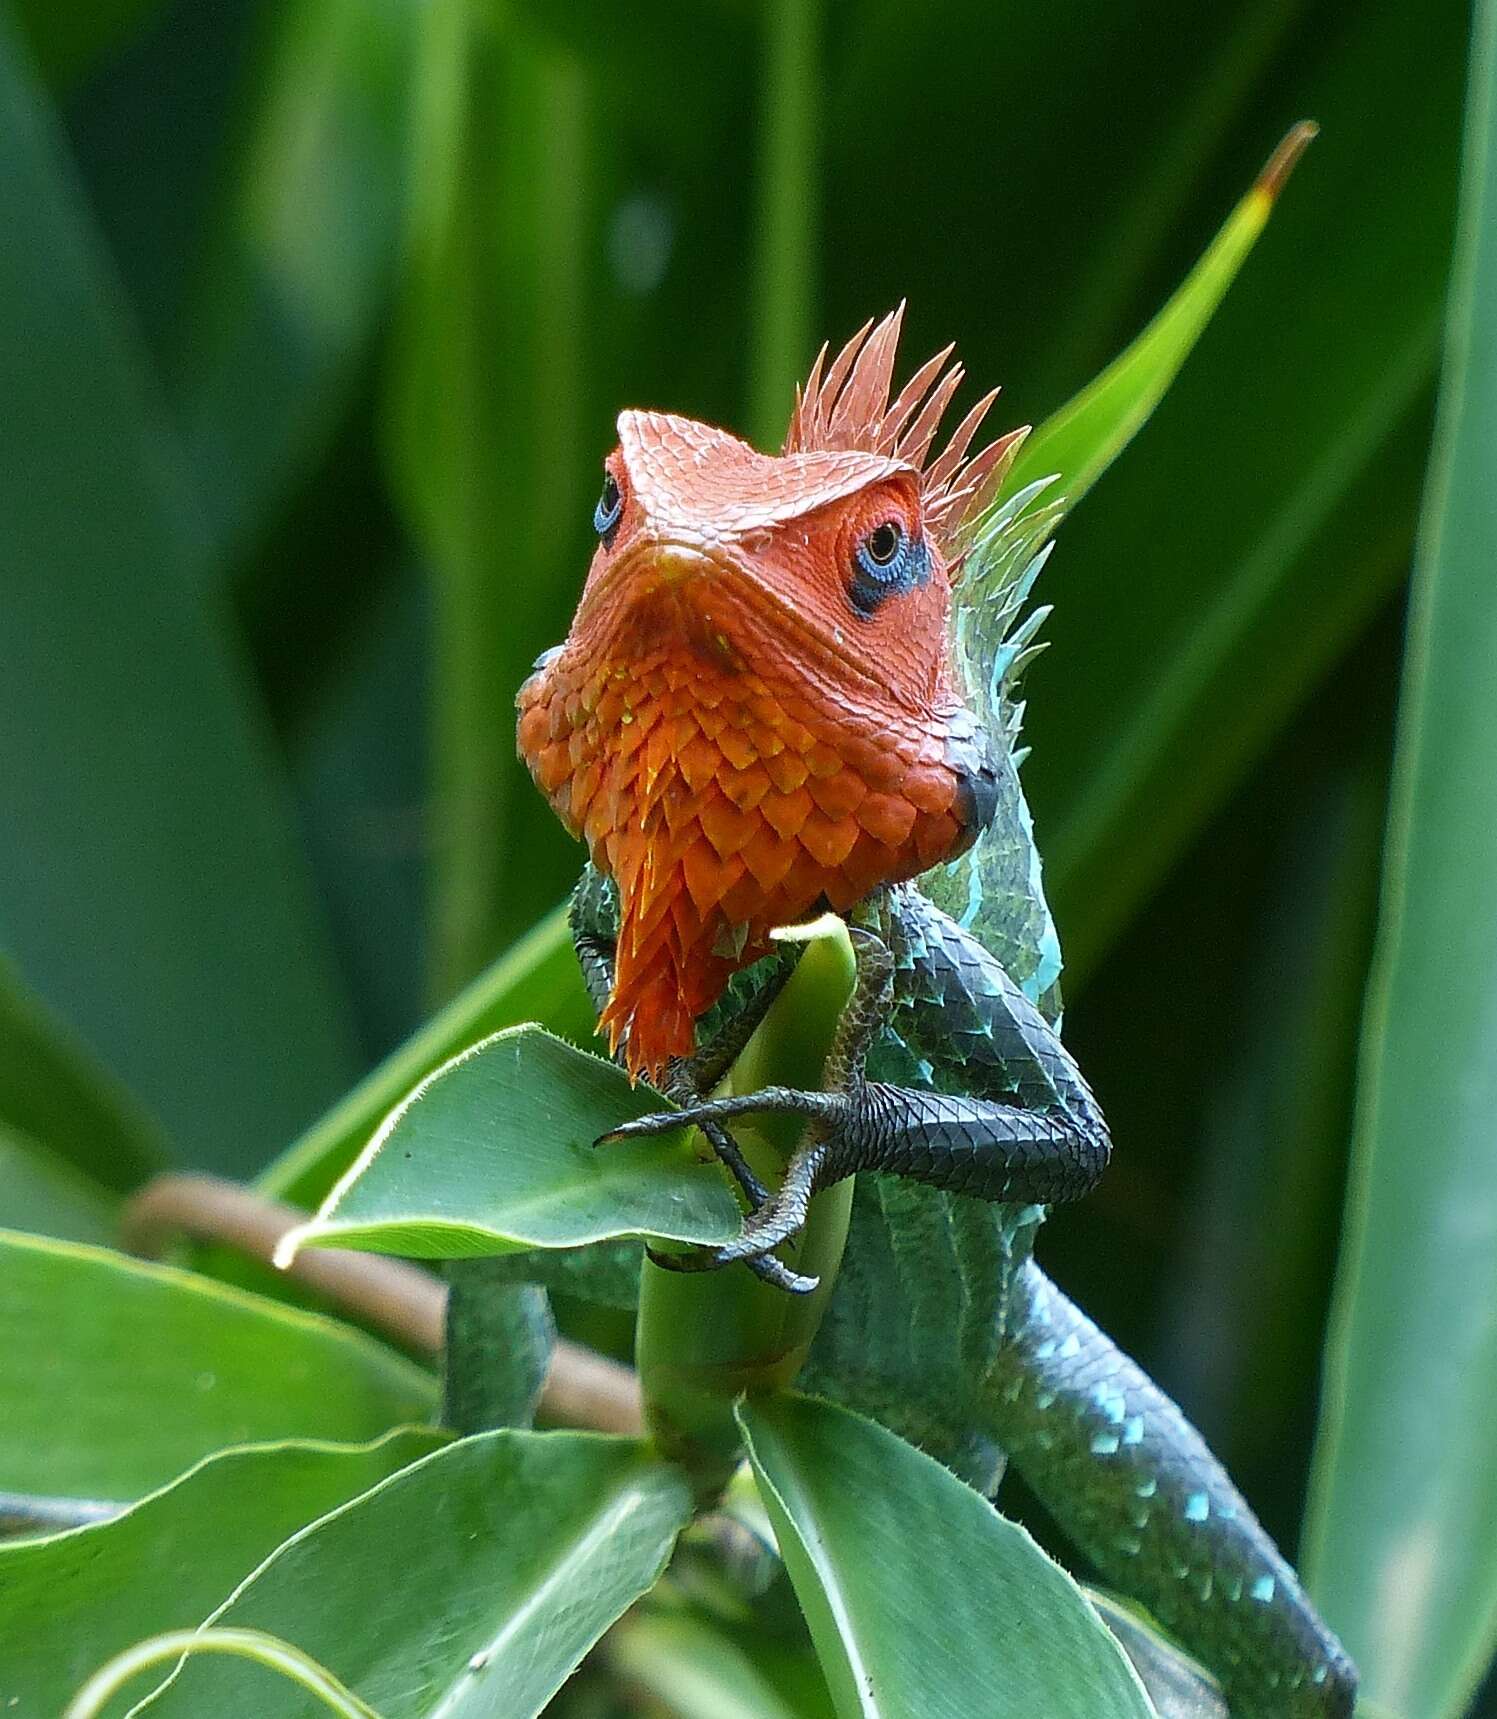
610	508
886	563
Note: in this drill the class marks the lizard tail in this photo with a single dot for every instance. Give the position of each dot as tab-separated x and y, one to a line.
1134	1486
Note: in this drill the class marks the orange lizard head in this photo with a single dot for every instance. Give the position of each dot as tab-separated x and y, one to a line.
754	714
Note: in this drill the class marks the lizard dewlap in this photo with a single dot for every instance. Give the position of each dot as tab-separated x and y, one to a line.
754	715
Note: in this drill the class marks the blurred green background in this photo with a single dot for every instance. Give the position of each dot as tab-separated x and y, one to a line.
314	317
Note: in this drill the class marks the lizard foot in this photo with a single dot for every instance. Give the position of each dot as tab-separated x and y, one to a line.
776	1217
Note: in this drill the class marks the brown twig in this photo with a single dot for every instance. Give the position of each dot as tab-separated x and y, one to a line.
583	1388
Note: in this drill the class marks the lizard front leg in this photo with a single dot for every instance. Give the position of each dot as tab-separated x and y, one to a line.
1051	1148
688	1079
1136	1489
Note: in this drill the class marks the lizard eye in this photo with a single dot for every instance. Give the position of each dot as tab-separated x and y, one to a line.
886	563
610	508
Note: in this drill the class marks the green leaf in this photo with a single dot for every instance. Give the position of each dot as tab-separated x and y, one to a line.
515	1552
52	1089
71	1601
118	1375
69	38
1402	1554
537	980
894	1560
1265	1205
492	458
1265	513
151	885
495	1151
788	196
252	1645
300	264
1079	442
695	1671
1178	1687
41	1192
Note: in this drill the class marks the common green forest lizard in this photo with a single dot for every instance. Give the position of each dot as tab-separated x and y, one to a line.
791	685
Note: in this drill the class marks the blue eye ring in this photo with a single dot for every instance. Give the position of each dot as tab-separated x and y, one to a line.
610	509
886	563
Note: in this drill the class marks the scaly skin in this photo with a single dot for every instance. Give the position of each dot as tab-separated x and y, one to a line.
757	714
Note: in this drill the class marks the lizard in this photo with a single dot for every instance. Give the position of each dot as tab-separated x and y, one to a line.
790	687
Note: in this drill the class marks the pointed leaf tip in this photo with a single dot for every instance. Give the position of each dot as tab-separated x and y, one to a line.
1087	434
1276	170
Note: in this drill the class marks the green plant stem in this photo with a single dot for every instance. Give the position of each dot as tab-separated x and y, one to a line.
704	1339
266	1650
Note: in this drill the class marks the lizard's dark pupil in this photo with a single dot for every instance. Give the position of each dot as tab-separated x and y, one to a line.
883	543
886	563
610	506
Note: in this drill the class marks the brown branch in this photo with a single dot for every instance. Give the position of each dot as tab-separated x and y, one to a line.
583	1388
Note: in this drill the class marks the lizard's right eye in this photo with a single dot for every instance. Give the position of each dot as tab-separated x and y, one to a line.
610	508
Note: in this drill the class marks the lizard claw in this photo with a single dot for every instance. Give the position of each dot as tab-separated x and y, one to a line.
765	1266
727	1150
645	1127
773	1218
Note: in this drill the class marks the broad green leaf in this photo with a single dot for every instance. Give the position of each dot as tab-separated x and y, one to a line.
53	1090
537	980
1079	442
515	1551
695	1671
921	1598
1402	1551
118	1375
71	1601
41	1192
495	1151
151	887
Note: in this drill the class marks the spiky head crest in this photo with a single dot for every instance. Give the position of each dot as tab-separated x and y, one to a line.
845	404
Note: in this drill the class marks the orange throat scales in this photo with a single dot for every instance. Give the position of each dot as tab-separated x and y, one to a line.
723	805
